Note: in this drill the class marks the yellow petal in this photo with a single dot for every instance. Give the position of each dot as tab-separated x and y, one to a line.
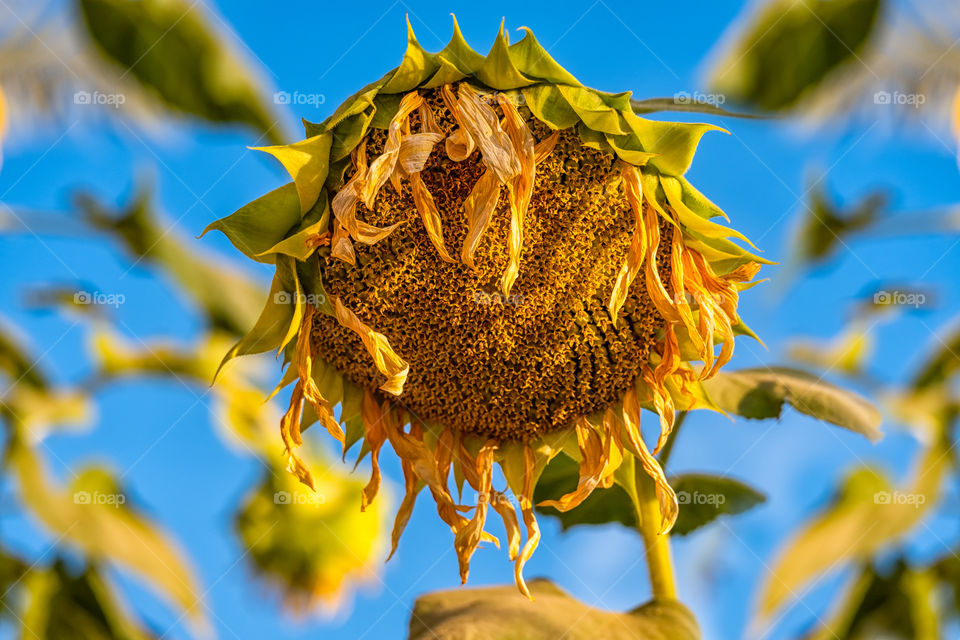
638	243
520	188
429	214
594	453
341	246
481	122
386	360
479	207
502	505
529	520
374	437
669	507
383	166
415	150
459	145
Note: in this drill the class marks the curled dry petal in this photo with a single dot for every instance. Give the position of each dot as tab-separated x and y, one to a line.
374	436
415	150
459	145
669	506
429	214
384	165
529	520
595	452
481	122
638	243
479	207
520	188
384	357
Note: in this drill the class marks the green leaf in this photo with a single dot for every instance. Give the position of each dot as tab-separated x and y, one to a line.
826	227
498	70
170	48
675	143
761	394
61	603
259	225
501	613
229	299
603	506
866	516
788	48
703	498
533	61
94	515
417	65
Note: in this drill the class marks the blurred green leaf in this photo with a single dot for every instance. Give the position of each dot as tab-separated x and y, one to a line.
314	545
602	506
703	498
64	604
500	613
897	605
172	50
94	515
940	366
658	105
230	300
825	226
867	515
848	353
788	48
761	394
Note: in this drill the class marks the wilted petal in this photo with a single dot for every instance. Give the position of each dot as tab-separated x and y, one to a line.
429	214
415	150
479	207
386	360
481	122
383	166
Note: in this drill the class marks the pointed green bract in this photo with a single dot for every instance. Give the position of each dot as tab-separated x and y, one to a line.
498	70
257	226
534	61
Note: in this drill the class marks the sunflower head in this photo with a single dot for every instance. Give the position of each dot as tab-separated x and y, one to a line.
482	261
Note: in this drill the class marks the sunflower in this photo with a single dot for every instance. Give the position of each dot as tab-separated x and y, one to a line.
484	262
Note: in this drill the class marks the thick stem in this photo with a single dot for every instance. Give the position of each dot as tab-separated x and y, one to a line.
657	546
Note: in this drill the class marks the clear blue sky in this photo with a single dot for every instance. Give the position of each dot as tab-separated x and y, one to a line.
189	481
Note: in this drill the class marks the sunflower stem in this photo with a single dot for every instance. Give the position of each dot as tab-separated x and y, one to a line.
657	546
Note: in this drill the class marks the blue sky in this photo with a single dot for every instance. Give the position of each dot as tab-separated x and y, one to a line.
189	481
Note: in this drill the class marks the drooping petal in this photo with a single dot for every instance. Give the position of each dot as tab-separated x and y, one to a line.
384	357
480	121
529	520
374	437
502	505
638	243
545	147
479	207
669	506
520	188
594	453
429	214
469	537
381	168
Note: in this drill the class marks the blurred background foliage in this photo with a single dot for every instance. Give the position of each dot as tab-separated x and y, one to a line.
839	64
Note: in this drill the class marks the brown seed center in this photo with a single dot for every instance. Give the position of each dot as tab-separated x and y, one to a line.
509	367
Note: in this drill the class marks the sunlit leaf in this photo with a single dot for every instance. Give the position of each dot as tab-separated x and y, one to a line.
315	546
703	498
61	603
230	300
761	394
867	515
93	514
826	227
500	613
788	48
170	47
